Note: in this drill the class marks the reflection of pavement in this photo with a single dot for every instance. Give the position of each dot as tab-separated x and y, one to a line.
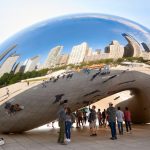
20	87
46	139
14	89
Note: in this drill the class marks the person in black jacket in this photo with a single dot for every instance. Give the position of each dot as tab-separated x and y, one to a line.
92	121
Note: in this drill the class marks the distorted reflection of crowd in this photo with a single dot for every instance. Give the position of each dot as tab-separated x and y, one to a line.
11	109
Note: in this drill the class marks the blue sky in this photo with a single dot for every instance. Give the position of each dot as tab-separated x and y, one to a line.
15	15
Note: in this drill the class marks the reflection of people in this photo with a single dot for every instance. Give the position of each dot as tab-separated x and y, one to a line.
7	92
11	109
111	112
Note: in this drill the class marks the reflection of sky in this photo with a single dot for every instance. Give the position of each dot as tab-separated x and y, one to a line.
97	31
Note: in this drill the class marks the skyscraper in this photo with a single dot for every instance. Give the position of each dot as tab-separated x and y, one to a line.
115	50
8	64
31	64
53	57
133	48
78	53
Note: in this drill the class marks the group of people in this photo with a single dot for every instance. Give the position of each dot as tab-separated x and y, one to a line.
112	115
121	116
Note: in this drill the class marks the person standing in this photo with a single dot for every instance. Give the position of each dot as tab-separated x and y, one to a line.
104	118
111	112
99	116
120	117
61	121
127	118
92	121
68	124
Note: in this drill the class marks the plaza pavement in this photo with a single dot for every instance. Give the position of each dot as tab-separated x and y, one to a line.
46	139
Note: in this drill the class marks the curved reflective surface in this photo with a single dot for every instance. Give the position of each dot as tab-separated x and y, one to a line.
55	62
35	47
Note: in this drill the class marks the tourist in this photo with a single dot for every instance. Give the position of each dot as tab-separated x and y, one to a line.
99	116
111	112
68	124
92	121
61	122
120	117
80	118
127	118
84	117
104	118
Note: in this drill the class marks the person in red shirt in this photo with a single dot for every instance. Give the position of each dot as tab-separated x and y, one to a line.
127	118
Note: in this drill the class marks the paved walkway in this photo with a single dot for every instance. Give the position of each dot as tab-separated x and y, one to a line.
45	139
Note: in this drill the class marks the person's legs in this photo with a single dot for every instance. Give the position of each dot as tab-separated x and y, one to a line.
129	125
113	130
69	130
126	122
119	127
62	132
66	129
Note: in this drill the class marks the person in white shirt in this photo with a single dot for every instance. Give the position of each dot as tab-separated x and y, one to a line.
120	118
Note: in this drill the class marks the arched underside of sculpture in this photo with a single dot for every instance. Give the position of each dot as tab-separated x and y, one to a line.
41	104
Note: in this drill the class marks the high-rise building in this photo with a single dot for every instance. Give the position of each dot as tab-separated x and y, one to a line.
115	50
3	54
133	48
8	64
53	57
78	53
31	64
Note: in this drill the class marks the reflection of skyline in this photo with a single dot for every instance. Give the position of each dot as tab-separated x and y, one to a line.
78	54
96	29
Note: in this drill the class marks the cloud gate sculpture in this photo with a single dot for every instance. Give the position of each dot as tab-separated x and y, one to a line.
70	41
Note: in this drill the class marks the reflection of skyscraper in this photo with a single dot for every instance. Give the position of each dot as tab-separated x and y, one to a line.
31	64
3	54
146	48
53	57
78	53
115	50
133	48
8	64
63	59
